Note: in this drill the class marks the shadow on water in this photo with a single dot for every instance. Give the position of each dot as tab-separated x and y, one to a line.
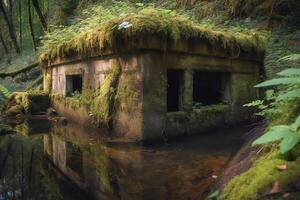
50	161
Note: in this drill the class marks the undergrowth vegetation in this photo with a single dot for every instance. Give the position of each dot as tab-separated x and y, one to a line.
282	107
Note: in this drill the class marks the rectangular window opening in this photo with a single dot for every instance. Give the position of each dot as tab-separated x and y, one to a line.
210	88
174	90
73	85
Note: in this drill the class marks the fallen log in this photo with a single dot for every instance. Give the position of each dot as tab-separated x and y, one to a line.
15	73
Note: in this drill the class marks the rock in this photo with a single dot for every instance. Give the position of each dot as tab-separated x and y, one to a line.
32	102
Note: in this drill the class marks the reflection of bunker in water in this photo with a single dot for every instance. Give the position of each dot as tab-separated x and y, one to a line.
112	170
156	90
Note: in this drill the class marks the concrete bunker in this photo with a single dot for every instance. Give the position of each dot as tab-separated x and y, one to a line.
145	89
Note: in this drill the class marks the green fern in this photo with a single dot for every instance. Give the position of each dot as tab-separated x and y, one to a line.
292	57
289	90
4	91
288	135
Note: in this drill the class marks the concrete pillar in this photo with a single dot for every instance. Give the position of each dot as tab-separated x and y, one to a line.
187	101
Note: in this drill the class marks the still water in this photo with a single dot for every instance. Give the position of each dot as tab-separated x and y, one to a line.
47	160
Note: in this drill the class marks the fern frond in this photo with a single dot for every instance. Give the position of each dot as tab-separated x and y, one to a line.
290	72
279	81
4	91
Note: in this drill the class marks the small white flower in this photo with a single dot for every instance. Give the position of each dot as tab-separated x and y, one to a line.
124	25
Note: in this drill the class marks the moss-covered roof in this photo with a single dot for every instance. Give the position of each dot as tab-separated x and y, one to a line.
107	30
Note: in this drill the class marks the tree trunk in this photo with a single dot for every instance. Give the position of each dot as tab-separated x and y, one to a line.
10	27
42	19
3	44
30	25
20	25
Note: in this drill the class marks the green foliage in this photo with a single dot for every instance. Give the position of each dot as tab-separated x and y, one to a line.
4	95
284	42
76	94
4	92
287	134
241	8
292	57
102	28
279	81
254	183
103	103
289	93
215	195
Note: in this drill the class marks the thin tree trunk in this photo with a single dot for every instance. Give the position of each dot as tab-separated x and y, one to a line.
20	25
10	11
3	44
42	19
10	26
30	25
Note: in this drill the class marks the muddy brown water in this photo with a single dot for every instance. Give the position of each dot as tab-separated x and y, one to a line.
51	161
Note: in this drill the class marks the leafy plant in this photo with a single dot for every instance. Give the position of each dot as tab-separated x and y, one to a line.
76	94
288	85
4	93
288	135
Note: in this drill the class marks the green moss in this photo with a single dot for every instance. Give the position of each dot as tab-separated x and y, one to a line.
105	31
99	102
33	102
103	103
69	102
127	95
259	179
47	80
217	108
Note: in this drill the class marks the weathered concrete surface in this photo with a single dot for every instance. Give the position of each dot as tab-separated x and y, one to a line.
140	111
157	124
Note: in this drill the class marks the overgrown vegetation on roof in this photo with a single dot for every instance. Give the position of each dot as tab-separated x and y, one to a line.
101	28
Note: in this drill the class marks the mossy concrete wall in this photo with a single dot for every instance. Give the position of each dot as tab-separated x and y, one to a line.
127	109
140	103
158	124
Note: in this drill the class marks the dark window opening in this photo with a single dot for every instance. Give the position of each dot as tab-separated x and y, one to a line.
73	85
210	88
174	91
74	158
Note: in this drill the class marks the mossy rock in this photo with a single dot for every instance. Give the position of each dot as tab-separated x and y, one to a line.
258	180
15	110
32	102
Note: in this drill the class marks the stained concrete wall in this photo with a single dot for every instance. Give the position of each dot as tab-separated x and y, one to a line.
127	119
158	124
141	112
